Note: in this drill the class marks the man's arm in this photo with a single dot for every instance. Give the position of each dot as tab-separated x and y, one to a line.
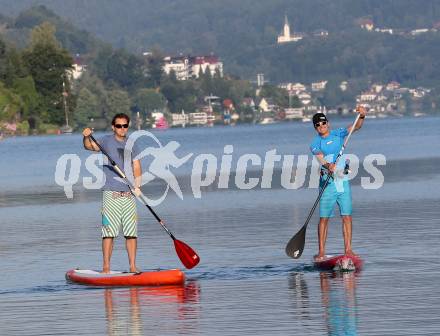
88	143
137	172
330	166
316	150
362	111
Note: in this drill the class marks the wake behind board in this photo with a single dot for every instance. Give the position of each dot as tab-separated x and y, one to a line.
150	278
341	263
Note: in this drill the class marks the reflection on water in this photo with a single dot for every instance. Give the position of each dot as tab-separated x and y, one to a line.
338	292
338	299
299	295
125	307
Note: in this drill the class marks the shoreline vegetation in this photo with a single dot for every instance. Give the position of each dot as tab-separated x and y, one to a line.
55	78
55	130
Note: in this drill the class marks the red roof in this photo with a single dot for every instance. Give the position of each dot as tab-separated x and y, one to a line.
205	59
228	103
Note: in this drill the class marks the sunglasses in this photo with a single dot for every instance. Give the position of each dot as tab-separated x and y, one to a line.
320	124
121	125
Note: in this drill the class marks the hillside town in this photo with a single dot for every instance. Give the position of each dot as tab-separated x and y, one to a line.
381	100
266	102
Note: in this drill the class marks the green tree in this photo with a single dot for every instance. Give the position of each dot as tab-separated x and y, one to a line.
154	71
87	107
125	69
10	104
25	89
279	96
48	64
97	88
118	101
147	100
44	34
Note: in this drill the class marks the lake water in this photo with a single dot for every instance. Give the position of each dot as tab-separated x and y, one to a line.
245	284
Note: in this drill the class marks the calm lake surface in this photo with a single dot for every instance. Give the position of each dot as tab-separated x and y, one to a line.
245	284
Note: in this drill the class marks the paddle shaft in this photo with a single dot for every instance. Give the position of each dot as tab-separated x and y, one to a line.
141	197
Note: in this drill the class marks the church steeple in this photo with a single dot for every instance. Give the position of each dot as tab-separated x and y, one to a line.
286	28
285	36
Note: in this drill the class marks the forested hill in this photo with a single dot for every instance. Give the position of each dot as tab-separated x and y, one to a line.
244	32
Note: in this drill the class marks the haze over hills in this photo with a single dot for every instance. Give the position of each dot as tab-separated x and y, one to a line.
243	33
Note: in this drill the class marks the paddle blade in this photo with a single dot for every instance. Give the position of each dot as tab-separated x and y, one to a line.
186	254
295	246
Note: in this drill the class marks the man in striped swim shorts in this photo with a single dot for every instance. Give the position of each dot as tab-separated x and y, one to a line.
119	204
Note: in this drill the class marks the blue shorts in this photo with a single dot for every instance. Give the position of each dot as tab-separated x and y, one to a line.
336	192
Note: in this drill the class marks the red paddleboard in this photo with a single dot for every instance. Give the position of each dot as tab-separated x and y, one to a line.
150	278
340	263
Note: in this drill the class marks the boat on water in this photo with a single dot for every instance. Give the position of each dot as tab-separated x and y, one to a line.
267	121
65	129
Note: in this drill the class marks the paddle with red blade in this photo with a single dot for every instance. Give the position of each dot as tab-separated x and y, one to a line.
186	254
295	246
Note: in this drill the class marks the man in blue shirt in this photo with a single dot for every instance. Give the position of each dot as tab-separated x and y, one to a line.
326	146
119	205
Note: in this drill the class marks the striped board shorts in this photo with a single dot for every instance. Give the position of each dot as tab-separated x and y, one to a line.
118	210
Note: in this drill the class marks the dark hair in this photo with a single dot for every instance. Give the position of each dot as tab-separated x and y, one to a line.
120	115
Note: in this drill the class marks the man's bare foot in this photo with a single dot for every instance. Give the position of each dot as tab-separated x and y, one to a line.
318	257
350	253
135	270
105	271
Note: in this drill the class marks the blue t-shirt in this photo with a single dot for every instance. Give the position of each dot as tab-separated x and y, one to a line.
117	151
330	145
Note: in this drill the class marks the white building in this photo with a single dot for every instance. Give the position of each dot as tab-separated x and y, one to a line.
393	85
198	118
286	37
384	30
186	67
293	87
419	31
179	65
294	113
179	119
377	88
366	24
319	86
366	97
78	68
343	86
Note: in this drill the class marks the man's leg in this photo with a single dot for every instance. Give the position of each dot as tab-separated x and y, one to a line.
131	245
326	205
322	237
347	233
345	207
107	249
